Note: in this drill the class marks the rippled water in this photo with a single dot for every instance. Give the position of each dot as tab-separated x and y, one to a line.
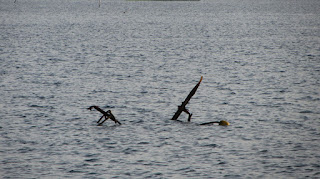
261	67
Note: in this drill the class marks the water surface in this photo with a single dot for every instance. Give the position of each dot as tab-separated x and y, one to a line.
259	59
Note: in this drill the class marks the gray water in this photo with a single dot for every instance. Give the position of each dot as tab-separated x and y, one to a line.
260	60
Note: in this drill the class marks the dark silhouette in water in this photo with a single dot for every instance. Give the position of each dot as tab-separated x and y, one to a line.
107	115
182	108
221	123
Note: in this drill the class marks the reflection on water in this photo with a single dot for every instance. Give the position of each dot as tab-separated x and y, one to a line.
261	73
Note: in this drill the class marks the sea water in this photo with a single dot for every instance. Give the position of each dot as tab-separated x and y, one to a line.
260	62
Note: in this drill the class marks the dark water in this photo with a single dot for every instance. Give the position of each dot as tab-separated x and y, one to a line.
261	65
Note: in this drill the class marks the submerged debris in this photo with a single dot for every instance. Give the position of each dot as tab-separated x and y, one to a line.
182	108
107	115
221	123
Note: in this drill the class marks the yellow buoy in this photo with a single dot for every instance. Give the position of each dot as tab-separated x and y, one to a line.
224	123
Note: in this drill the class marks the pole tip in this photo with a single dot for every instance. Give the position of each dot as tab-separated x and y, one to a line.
201	79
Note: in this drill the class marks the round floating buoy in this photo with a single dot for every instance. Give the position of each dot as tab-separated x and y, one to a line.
224	123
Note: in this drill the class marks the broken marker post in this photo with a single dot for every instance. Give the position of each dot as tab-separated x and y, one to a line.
182	108
107	115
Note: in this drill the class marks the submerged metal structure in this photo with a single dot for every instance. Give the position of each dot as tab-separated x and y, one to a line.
182	108
107	115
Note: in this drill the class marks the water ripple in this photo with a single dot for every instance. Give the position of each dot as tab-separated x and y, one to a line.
140	60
